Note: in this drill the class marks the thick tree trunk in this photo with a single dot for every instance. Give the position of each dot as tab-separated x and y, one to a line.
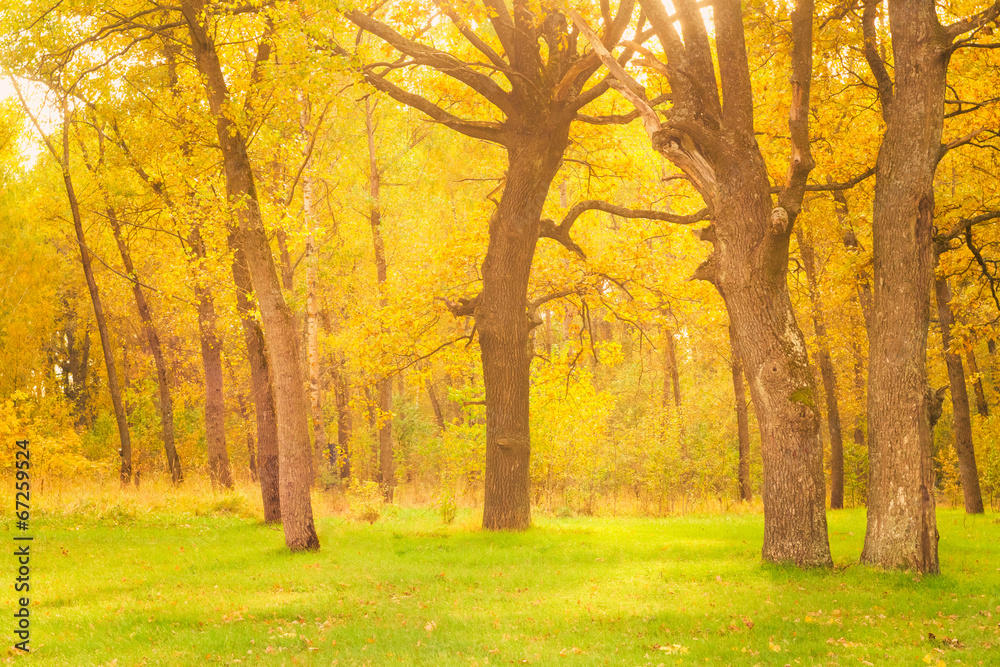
902	526
165	402
125	452
771	347
827	371
295	460
982	407
504	326
743	429
961	419
215	401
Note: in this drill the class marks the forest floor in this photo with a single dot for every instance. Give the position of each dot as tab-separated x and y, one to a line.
114	582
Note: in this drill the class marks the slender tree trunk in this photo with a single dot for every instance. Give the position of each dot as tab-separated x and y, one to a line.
125	452
671	374
165	402
863	299
960	413
827	371
251	449
436	405
859	393
295	460
211	355
343	421
902	526
982	407
743	428
261	387
312	326
387	466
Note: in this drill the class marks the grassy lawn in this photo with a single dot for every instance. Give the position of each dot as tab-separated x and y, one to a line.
117	587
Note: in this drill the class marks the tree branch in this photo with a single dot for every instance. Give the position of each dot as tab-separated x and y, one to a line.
443	62
875	62
487	131
974	22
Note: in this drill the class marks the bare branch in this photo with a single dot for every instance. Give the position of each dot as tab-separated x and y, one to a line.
834	187
965	223
624	83
465	307
621	119
443	62
535	303
974	22
960	141
875	61
486	131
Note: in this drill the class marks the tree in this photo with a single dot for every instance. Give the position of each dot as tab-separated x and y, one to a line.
538	59
281	337
826	370
961	418
902	526
709	136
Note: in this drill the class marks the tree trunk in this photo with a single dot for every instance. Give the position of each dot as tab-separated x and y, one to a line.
211	355
343	421
826	369
671	373
961	420
710	136
768	342
251	449
312	327
165	402
902	526
982	407
125	452
743	428
387	466
436	405
295	460
504	327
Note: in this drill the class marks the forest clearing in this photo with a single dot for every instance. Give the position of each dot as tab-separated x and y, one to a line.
675	308
201	580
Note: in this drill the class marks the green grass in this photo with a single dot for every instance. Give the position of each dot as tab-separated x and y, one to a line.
172	587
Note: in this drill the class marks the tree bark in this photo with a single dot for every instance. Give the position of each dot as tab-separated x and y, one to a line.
435	405
902	526
125	452
827	371
671	373
165	402
387	466
251	448
343	421
211	354
743	428
709	135
295	460
961	419
312	328
982	407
